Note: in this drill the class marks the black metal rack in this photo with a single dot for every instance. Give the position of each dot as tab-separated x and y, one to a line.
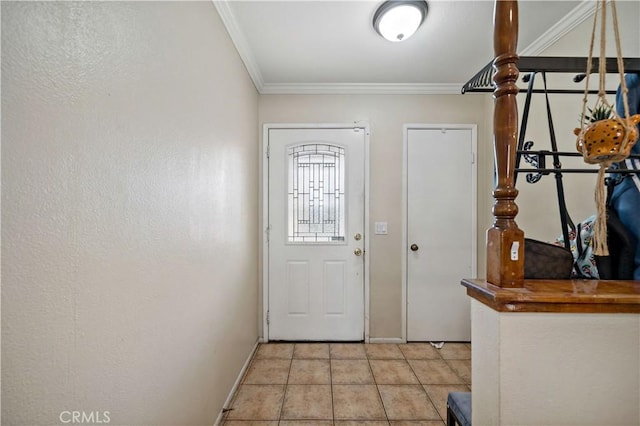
537	159
482	81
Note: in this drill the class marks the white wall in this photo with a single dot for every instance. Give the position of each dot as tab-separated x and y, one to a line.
386	114
129	192
555	368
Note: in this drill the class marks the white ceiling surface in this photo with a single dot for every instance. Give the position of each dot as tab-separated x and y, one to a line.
331	47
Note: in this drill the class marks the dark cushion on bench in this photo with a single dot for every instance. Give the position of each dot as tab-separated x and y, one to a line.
460	405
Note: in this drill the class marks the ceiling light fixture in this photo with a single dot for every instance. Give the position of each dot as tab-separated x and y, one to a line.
397	20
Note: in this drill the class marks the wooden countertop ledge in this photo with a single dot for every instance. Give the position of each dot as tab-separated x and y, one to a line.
562	296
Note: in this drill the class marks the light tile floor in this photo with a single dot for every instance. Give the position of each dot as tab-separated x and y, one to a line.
345	384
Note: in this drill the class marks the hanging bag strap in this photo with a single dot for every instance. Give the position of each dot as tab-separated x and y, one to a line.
565	220
523	125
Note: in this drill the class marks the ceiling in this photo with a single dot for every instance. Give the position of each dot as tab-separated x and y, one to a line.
327	46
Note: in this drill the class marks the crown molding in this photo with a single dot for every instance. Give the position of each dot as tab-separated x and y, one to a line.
246	54
571	20
361	89
242	46
574	18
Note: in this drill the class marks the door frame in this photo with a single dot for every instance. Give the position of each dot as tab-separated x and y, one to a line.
265	213
405	201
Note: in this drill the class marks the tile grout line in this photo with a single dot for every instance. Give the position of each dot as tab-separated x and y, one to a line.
286	386
454	372
384	408
412	370
459	376
421	385
425	390
333	406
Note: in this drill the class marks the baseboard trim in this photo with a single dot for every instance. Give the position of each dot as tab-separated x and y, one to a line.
234	388
386	340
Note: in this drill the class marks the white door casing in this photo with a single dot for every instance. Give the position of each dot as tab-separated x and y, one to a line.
315	290
440	219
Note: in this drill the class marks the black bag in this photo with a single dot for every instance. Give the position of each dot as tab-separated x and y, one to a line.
619	265
545	261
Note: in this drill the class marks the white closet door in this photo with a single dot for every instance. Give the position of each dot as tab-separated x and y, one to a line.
441	240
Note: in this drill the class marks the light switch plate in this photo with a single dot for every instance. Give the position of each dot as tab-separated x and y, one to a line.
381	228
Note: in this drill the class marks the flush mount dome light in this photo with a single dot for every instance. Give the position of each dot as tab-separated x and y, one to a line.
397	20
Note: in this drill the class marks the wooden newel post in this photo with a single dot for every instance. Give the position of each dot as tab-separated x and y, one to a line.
505	241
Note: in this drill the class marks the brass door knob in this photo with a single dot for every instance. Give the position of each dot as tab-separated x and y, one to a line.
414	247
357	252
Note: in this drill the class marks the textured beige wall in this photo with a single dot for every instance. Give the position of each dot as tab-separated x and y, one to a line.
386	115
129	184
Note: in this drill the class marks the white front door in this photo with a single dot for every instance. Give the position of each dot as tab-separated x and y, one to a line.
316	233
440	231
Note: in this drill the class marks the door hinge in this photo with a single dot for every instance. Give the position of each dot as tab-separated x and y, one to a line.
268	149
267	232
473	158
267	317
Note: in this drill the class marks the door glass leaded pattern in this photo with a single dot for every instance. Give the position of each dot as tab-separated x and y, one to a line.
316	198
